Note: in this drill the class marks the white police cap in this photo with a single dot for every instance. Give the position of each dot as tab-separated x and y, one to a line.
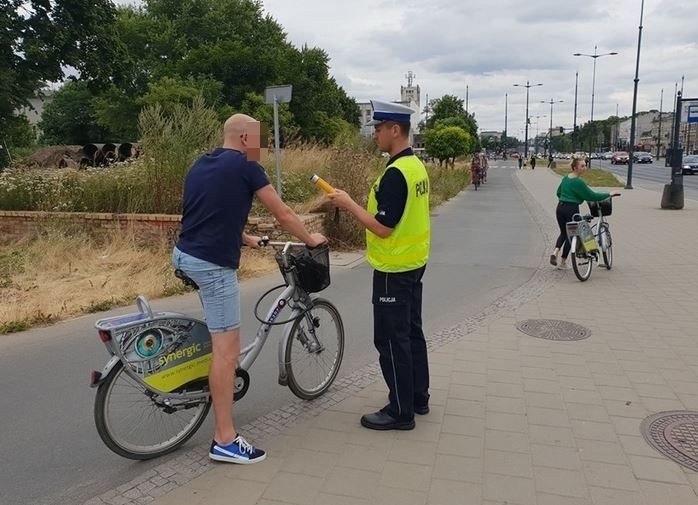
389	111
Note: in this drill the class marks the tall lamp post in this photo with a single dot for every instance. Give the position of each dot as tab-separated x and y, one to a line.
595	57
629	181
527	86
574	125
550	134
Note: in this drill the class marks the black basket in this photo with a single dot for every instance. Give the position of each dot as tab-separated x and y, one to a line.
606	207
312	267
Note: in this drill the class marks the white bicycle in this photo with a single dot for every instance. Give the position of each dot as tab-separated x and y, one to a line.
590	242
152	395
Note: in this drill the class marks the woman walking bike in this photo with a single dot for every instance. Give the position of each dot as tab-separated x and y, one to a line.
571	192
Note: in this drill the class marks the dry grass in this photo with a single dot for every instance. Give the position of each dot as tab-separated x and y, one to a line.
62	275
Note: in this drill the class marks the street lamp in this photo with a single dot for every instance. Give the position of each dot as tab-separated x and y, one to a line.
535	141
550	138
527	86
595	56
629	180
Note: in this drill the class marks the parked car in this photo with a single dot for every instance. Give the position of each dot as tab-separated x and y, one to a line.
619	158
642	158
690	164
607	155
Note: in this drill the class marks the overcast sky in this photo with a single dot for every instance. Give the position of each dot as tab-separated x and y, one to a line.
491	44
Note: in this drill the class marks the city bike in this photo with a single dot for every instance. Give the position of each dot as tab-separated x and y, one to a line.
153	395
591	242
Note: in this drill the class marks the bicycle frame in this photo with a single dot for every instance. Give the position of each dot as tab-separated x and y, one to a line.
120	332
596	228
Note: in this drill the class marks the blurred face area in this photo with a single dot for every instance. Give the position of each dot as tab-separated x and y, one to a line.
251	139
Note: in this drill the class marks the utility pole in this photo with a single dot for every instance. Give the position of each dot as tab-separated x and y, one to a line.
574	126
659	133
466	98
629	181
528	86
506	106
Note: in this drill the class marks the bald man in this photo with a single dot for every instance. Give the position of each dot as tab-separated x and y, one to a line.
218	193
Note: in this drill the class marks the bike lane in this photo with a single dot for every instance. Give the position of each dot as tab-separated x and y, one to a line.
484	246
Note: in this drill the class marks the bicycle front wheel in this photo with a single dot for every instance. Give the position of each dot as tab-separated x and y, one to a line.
314	350
581	263
136	424
606	247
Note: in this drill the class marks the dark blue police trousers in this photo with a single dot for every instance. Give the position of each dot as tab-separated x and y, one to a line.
398	337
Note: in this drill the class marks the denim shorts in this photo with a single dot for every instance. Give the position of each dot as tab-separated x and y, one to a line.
218	286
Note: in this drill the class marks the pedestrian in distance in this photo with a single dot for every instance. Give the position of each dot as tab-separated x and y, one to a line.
520	162
533	162
397	247
550	160
218	193
571	192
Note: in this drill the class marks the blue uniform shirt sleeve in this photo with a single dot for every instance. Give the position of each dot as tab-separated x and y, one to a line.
391	197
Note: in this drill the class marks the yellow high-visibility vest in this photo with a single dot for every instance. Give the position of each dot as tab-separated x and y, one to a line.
407	247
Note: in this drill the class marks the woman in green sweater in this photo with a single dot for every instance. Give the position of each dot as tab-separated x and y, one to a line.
571	192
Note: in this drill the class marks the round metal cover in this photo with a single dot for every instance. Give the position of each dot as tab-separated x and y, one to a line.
675	435
553	329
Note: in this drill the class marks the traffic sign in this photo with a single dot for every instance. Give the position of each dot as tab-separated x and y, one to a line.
689	110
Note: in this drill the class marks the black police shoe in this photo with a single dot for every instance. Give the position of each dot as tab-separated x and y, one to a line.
383	421
423	410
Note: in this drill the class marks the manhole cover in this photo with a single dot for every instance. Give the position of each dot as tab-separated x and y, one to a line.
675	435
553	329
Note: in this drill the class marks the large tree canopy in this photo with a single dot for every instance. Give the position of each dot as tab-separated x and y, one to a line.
39	38
227	51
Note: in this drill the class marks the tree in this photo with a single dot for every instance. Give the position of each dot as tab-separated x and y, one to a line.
448	111
39	38
447	143
18	134
234	43
70	117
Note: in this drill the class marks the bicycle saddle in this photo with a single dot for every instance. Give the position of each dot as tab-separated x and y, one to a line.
188	281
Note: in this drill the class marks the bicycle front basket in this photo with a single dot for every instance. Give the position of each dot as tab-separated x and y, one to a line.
605	205
313	268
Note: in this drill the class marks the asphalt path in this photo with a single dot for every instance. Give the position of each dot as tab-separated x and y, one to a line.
484	245
651	176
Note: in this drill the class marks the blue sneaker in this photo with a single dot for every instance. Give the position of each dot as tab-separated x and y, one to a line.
238	451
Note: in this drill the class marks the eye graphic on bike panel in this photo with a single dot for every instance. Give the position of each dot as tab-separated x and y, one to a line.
149	343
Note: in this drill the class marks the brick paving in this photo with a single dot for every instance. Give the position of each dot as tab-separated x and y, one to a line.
514	419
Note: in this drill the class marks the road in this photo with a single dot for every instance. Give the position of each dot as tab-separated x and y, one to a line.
651	176
484	245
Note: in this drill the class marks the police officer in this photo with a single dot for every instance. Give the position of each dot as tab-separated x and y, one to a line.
397	247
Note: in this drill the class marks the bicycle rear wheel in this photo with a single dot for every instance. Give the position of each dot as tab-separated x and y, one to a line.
135	424
606	247
314	350
581	263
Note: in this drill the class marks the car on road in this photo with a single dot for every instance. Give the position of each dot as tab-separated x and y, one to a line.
607	155
642	158
690	164
619	158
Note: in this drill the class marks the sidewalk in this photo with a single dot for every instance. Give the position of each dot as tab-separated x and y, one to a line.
516	419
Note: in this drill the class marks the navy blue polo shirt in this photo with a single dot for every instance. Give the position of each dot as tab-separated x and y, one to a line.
391	195
218	193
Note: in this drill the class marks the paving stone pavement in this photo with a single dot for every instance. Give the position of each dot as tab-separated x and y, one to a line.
514	419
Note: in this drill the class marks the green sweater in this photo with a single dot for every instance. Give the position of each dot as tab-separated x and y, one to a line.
575	190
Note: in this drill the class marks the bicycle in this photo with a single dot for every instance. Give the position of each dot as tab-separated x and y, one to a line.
477	177
152	395
587	240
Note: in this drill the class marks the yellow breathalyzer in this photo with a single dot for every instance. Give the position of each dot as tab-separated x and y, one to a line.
322	184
